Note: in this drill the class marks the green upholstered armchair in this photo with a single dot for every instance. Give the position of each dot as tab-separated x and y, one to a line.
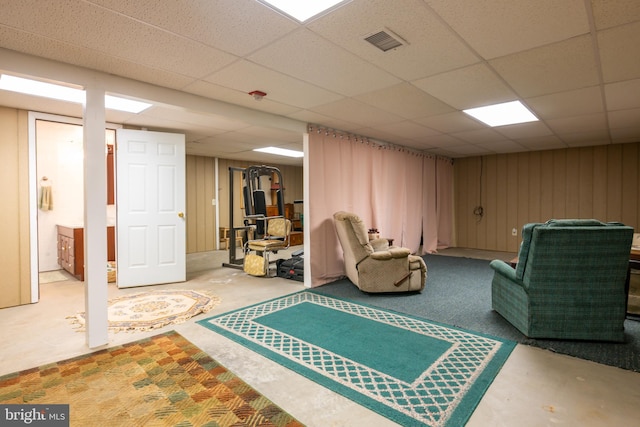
569	282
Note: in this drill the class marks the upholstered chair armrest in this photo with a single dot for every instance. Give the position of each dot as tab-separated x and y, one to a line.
505	270
391	254
399	252
379	244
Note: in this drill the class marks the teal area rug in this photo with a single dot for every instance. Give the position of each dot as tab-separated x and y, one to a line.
413	371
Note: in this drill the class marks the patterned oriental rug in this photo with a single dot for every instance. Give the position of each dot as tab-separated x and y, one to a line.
152	310
160	381
413	371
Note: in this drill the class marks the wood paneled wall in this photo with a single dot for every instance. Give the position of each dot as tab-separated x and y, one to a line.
14	216
201	182
201	216
600	182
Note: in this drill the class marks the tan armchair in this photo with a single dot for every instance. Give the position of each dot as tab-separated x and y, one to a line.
373	266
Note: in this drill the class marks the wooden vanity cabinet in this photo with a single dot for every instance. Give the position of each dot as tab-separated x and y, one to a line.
71	250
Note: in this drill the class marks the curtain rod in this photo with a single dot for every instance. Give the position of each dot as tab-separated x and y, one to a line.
369	141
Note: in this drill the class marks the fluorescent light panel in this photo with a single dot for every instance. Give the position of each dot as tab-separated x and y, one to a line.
37	88
507	113
303	10
66	93
280	151
124	104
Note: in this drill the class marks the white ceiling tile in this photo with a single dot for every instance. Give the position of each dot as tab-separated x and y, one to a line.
566	104
549	142
116	35
503	146
444	141
225	145
273	134
469	87
559	67
383	135
585	138
524	130
193	118
330	122
220	93
625	119
246	76
221	24
308	57
479	136
427	36
358	112
607	13
496	27
405	100
407	129
623	95
616	47
194	137
37	45
235	97
624	135
451	122
586	123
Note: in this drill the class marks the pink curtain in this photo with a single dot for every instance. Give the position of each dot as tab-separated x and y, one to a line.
401	193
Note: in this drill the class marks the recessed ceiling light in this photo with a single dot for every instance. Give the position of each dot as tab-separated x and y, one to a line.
507	113
304	10
66	93
37	88
124	104
280	151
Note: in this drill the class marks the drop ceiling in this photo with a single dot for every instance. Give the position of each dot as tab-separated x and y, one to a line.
573	63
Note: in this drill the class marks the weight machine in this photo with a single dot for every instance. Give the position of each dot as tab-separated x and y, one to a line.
255	205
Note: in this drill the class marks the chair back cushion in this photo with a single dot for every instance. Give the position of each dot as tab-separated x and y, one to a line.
523	254
580	256
354	240
279	227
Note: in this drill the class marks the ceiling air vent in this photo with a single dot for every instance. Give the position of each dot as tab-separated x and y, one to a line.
385	40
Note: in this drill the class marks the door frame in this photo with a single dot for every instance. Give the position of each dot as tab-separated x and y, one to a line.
33	190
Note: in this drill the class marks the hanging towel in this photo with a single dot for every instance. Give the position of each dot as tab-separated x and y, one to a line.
46	198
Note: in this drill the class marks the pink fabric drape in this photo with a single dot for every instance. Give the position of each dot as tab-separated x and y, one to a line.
437	207
401	193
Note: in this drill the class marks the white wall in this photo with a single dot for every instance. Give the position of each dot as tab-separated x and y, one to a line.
59	157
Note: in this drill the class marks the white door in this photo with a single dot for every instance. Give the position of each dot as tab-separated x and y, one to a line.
150	204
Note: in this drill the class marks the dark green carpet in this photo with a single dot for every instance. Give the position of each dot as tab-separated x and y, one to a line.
458	293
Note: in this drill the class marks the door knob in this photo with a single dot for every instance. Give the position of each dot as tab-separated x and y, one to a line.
181	214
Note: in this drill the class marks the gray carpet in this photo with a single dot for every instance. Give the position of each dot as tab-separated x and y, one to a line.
458	293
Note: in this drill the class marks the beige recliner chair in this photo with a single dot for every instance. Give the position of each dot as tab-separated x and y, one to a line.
373	266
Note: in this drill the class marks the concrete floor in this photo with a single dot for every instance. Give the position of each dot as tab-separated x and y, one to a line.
534	388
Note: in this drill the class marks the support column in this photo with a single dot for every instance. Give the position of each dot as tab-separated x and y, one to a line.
95	218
